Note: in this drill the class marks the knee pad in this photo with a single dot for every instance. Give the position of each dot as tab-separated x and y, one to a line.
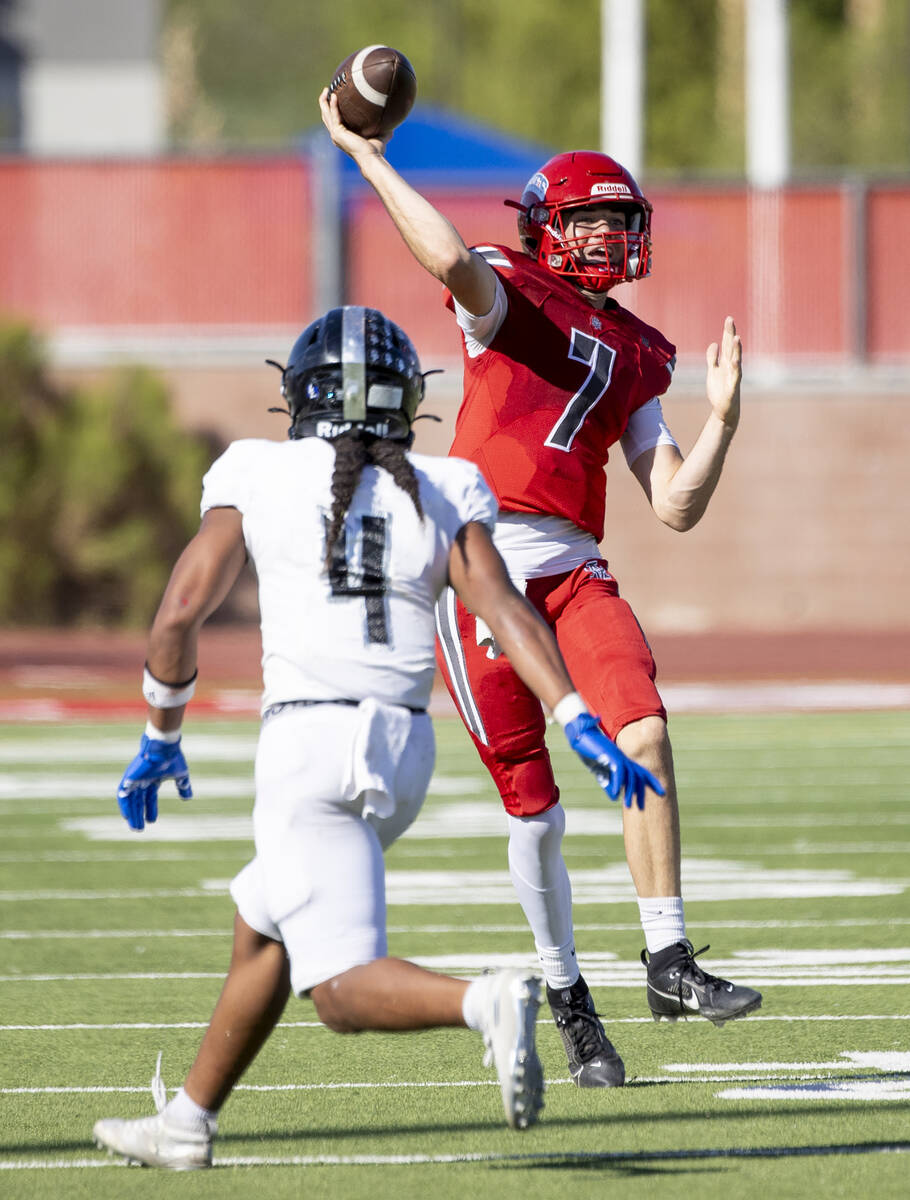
526	785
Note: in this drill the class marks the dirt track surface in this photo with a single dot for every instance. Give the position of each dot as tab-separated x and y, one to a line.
229	656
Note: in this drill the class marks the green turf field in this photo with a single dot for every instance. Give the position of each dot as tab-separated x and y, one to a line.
796	831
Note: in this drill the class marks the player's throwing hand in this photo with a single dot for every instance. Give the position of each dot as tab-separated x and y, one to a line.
343	137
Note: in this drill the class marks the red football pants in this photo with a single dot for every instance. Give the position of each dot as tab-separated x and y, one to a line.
608	658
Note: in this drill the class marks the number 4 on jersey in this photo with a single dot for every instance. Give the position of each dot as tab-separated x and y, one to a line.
368	581
600	358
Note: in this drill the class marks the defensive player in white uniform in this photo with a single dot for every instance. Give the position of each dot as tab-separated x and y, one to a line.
353	538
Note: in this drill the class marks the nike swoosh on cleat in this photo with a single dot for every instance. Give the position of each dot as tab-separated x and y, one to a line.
690	1002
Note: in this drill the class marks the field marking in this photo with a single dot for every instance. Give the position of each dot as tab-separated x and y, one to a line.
78	935
562	1157
80	1026
814	821
155	855
154	894
123	1025
876	1090
762	969
101	1090
895	1086
757	697
570	849
198	747
436	1084
118	976
27	935
703	879
884	1060
65	787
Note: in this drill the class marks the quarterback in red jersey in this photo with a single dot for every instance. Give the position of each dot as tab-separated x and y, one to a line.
547	397
556	373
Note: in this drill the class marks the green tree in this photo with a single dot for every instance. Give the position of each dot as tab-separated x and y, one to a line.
531	71
29	495
99	493
250	75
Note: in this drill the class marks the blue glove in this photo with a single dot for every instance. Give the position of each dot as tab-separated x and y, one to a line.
138	791
613	770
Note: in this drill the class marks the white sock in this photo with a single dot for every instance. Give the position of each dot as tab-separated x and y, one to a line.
473	1005
662	921
559	965
184	1111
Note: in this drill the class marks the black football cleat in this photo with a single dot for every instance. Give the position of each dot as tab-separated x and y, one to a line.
678	987
593	1061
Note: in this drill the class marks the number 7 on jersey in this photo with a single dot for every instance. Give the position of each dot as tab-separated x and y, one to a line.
600	358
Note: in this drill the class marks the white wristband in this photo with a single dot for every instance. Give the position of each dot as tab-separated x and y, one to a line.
166	695
568	708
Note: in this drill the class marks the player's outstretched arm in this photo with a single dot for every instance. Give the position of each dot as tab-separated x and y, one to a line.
201	579
432	238
479	576
678	488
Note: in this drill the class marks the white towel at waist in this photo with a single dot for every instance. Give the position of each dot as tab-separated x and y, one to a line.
375	754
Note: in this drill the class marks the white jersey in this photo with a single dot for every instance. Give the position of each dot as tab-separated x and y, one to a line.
364	628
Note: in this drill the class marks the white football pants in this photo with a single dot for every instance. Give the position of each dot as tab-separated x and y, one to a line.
317	883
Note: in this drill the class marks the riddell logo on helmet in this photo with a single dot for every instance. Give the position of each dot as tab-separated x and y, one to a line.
333	429
611	189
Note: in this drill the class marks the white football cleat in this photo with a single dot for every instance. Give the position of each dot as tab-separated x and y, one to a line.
510	1012
156	1141
152	1142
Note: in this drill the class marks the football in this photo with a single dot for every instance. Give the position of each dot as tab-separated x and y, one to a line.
376	88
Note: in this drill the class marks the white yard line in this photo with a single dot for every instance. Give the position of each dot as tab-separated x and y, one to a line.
157	853
886	1060
66	786
78	935
113	976
81	1026
561	1157
419	1084
153	894
28	935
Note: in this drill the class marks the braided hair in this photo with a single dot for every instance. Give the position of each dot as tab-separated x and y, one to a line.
353	451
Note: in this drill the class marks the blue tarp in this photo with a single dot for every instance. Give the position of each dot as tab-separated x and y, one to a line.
435	142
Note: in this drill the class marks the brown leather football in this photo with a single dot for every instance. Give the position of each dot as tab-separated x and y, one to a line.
376	88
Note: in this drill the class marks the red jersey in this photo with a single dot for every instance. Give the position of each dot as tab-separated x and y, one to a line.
553	392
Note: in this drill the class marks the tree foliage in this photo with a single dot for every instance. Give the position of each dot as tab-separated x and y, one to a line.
250	75
98	495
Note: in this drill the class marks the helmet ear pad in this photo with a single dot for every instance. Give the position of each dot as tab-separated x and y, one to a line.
353	368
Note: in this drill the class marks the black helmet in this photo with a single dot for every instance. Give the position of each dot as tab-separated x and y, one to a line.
352	368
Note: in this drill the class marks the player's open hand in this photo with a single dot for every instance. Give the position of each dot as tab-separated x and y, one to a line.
156	761
346	139
725	372
617	774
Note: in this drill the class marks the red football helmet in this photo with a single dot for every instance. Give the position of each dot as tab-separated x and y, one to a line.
582	179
